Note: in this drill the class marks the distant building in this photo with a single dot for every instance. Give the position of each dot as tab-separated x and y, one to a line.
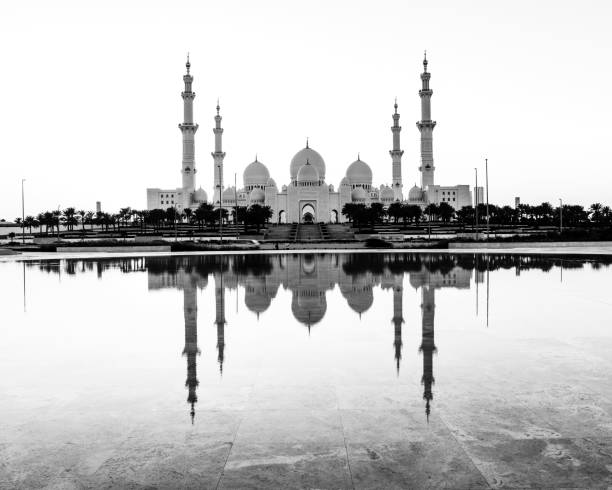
308	197
517	202
98	207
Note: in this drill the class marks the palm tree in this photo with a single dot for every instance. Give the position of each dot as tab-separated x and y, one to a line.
395	211
69	218
432	211
82	213
595	212
446	212
89	219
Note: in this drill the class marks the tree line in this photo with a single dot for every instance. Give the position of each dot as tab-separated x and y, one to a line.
525	214
205	215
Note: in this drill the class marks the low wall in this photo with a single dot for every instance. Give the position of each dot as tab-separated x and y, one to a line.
506	245
150	248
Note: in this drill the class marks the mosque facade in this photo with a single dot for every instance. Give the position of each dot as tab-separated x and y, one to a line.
307	197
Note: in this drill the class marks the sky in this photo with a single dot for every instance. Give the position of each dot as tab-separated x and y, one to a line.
90	94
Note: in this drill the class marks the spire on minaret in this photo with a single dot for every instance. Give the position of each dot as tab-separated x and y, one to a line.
396	157
426	127
218	156
188	129
307	142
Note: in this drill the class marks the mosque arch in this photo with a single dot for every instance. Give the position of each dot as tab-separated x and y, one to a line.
308	213
334	216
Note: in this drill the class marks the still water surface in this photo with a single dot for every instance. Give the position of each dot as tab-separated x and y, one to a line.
116	369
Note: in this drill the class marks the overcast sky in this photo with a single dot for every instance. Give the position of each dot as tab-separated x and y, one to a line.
90	94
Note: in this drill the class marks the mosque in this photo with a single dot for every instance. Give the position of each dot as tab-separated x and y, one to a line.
308	197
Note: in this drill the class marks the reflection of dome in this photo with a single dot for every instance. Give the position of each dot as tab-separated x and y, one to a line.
271	183
308	174
200	195
309	264
256	174
358	294
257	196
300	158
415	194
359	194
308	306
256	297
359	172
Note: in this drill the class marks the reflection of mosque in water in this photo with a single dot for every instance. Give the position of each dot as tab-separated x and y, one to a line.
308	277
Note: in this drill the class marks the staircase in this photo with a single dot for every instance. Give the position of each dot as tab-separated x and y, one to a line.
339	232
308	231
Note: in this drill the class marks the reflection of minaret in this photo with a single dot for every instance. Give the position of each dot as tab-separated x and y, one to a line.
220	317
398	319
190	307
428	346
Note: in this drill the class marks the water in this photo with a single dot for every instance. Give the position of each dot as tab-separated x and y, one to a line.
306	370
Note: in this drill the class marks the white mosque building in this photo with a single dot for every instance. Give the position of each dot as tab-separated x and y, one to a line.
307	197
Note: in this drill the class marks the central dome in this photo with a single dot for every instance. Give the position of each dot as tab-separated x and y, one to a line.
359	173
300	159
308	173
256	174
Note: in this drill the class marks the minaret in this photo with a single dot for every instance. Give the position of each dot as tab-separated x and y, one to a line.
190	309
398	319
426	126
218	156
428	346
188	128
396	157
220	317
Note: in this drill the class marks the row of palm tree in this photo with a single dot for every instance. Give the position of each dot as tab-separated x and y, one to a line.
525	214
205	214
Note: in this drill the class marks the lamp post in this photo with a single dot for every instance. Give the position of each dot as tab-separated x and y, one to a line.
476	201
58	220
235	206
487	184
560	215
22	214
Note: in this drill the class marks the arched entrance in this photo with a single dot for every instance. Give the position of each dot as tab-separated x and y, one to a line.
282	216
333	216
308	213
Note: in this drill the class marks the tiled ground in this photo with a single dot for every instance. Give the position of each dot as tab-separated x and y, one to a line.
328	438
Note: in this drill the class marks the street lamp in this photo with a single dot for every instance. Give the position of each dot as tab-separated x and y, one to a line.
22	214
560	215
487	183
476	201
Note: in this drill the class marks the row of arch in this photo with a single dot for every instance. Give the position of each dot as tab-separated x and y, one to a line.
308	214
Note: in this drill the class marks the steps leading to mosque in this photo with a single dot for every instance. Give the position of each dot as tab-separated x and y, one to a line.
309	231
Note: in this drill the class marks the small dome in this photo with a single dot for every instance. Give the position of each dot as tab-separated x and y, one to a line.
359	194
359	172
200	195
415	194
270	183
229	194
386	194
308	173
300	158
257	196
256	174
344	181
